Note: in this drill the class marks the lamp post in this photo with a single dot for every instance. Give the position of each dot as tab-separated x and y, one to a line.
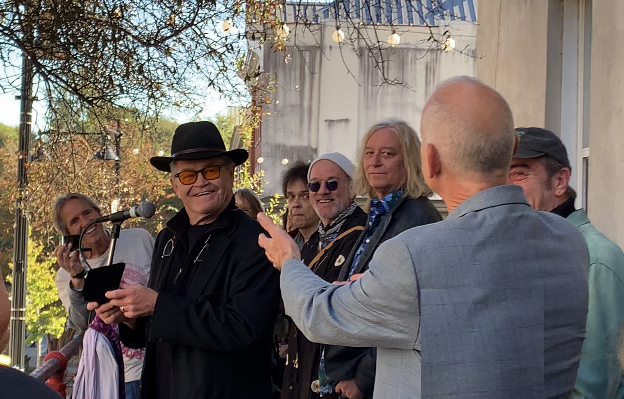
20	243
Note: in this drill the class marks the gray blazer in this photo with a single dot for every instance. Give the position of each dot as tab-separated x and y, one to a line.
358	364
501	290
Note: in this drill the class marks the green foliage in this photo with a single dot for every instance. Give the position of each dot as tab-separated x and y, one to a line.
8	136
64	162
243	176
45	314
226	125
8	172
68	165
276	209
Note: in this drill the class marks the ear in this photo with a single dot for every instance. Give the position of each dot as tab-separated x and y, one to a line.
433	161
173	185
231	169
562	179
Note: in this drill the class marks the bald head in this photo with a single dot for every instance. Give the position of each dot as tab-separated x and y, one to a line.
471	126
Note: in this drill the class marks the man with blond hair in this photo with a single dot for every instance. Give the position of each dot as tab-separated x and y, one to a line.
389	172
489	303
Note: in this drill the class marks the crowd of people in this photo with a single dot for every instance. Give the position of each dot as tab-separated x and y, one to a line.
514	295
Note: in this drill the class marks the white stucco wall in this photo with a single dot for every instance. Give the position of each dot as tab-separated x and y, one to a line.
326	96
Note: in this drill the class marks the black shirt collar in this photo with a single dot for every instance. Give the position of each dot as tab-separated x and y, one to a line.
180	223
566	209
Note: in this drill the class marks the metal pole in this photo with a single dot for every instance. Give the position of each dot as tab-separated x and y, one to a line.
118	160
20	243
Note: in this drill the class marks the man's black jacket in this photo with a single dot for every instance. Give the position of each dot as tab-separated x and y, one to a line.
303	355
218	336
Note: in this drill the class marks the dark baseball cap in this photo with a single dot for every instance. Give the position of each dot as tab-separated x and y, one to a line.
535	142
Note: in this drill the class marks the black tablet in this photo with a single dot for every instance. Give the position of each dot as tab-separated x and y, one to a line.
101	280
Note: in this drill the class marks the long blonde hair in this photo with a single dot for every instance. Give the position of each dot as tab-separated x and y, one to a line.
410	149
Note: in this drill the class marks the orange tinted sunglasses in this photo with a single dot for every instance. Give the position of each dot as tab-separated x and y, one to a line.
188	177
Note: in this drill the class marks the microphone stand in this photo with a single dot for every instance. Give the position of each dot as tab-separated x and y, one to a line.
111	247
114	236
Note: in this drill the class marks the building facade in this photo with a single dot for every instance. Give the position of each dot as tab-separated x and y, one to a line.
321	95
558	64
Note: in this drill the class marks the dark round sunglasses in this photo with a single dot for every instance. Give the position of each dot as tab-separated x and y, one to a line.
331	185
188	177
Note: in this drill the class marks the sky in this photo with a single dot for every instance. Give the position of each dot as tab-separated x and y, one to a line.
10	111
10	107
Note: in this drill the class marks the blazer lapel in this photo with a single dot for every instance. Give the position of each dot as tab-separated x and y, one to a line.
211	258
372	244
376	238
346	268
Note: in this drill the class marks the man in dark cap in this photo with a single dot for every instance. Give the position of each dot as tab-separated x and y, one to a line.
541	167
206	319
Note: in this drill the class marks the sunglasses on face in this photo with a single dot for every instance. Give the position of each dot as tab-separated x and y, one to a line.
188	177
315	186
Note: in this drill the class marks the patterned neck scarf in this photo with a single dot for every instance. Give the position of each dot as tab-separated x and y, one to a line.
329	233
378	208
111	331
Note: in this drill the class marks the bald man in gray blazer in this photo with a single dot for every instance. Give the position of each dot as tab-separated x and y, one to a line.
490	303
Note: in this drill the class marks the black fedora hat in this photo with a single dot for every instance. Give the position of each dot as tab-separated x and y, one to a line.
197	140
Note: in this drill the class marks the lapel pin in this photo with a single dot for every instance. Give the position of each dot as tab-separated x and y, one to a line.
340	260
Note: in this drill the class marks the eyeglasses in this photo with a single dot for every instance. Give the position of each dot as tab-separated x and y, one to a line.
315	186
188	177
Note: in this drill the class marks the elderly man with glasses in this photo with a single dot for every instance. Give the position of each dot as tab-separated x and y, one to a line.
341	222
206	319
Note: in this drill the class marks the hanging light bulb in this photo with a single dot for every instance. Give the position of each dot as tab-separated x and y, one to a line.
394	39
260	160
449	44
283	31
285	161
338	35
227	26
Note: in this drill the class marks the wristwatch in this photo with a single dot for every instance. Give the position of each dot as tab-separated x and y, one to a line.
80	275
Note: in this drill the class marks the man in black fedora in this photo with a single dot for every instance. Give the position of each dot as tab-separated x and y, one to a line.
206	319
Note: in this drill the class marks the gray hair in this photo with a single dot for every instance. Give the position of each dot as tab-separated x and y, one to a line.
60	202
471	145
410	150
